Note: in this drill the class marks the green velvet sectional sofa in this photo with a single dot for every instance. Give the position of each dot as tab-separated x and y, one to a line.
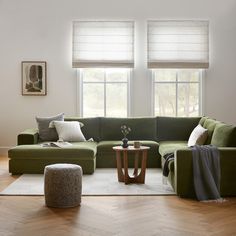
162	134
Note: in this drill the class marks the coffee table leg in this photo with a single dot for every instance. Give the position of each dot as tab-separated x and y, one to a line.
143	166
136	164
119	167
126	174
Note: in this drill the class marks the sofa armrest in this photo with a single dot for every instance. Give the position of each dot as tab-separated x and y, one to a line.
228	171
29	136
184	172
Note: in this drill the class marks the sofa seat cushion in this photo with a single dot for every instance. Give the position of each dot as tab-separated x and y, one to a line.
106	146
106	157
170	146
86	150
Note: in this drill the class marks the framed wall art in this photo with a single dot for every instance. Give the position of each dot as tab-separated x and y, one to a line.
34	78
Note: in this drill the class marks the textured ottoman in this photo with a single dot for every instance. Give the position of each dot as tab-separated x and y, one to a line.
62	185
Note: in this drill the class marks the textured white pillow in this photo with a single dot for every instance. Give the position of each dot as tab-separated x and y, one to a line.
52	125
69	131
198	136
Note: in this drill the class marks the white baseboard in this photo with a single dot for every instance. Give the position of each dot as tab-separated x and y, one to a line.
4	151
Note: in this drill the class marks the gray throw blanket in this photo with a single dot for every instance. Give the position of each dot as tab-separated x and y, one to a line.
206	172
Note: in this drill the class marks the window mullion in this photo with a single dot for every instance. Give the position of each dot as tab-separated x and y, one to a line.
176	93
128	75
200	110
105	92
153	91
81	73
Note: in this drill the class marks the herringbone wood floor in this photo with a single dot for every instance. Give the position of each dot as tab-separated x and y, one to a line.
121	216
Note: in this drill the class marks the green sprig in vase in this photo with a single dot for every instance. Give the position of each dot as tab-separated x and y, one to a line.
125	130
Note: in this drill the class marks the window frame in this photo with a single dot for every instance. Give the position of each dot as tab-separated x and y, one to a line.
79	90
176	82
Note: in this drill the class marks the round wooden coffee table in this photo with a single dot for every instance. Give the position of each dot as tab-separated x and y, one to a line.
123	175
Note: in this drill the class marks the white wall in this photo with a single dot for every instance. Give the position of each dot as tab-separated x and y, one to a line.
41	30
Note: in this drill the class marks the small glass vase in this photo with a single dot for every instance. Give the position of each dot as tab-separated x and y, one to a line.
125	142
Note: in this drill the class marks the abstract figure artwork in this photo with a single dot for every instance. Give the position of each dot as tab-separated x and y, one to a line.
34	78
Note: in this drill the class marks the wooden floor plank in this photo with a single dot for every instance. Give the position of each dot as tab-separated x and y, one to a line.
118	216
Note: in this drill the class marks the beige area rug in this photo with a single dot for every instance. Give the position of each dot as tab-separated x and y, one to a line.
102	183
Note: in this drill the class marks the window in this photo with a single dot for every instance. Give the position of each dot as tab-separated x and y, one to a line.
104	52
177	52
177	92
105	92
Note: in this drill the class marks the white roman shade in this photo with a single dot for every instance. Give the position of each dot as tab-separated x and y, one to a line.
178	44
103	44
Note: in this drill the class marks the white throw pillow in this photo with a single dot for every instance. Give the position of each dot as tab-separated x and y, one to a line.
52	125
69	131
198	136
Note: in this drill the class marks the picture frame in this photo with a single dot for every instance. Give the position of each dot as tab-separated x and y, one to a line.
34	78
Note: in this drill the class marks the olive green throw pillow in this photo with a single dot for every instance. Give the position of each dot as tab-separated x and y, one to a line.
202	120
210	125
222	135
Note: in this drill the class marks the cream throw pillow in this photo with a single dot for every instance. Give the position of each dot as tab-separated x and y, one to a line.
52	125
198	136
69	131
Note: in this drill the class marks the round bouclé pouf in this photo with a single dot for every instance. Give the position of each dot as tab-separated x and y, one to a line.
62	185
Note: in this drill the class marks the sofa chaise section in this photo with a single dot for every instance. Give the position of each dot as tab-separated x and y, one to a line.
33	158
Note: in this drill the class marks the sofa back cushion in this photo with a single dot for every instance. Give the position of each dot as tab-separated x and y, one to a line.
141	128
223	135
210	125
175	128
202	120
91	128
